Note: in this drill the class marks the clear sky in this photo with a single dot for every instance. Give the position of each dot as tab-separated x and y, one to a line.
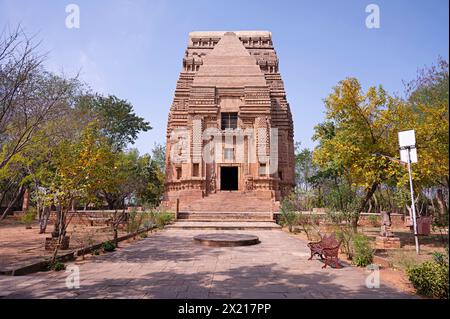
134	49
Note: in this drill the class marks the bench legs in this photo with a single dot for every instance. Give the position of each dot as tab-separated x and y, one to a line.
332	261
315	253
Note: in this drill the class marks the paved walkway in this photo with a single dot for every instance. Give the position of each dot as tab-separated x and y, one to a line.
170	265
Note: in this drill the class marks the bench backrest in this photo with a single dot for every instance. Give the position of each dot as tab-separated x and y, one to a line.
329	241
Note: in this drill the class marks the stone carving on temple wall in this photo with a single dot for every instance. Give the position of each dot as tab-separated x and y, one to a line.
249	184
262	125
212	183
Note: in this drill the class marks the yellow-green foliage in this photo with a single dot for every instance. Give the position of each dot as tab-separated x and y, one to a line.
358	125
362	250
430	279
29	216
162	218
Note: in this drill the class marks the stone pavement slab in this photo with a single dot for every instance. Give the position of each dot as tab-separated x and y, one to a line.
169	264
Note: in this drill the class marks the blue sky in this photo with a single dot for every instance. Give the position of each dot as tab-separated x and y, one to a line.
133	49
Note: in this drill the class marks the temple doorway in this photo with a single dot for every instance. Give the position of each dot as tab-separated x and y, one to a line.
229	178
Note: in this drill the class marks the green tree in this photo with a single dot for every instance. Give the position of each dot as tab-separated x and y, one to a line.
116	118
358	125
428	99
304	167
152	185
81	168
159	157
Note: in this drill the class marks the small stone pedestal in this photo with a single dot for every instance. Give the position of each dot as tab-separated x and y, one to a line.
51	243
382	242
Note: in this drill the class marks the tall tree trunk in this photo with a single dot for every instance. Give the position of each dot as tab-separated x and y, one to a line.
441	203
369	195
58	231
377	205
116	237
19	194
390	201
57	225
370	207
111	203
43	220
63	223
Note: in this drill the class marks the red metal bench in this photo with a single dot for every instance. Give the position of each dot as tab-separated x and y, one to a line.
328	249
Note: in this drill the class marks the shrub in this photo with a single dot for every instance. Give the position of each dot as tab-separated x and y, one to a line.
95	252
143	235
109	246
57	266
163	218
132	222
439	257
373	220
345	234
288	216
338	218
363	252
430	278
147	219
289	219
309	225
29	216
135	221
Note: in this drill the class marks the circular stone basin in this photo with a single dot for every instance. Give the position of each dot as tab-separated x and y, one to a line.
226	240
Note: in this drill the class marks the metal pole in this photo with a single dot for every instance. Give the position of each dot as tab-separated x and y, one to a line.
413	205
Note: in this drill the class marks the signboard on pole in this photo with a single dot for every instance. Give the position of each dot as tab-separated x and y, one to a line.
404	155
408	154
407	138
407	142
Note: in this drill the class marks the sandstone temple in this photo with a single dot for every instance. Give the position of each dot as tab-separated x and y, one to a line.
230	141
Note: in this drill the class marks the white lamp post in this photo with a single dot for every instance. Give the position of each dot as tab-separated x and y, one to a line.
408	154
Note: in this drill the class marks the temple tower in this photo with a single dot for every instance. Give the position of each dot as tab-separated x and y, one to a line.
230	141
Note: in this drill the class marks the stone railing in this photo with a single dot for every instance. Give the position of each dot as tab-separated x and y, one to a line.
265	184
186	184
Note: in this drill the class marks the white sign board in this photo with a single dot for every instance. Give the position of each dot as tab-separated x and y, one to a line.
407	138
404	155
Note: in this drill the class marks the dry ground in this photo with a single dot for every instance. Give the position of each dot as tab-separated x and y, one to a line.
20	247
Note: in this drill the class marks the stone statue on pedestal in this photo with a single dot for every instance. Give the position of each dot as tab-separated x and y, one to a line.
386	224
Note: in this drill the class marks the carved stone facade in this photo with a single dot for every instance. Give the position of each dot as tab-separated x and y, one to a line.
230	127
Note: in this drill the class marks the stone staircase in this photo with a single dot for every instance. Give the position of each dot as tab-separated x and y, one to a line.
228	211
226	216
223	225
225	201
